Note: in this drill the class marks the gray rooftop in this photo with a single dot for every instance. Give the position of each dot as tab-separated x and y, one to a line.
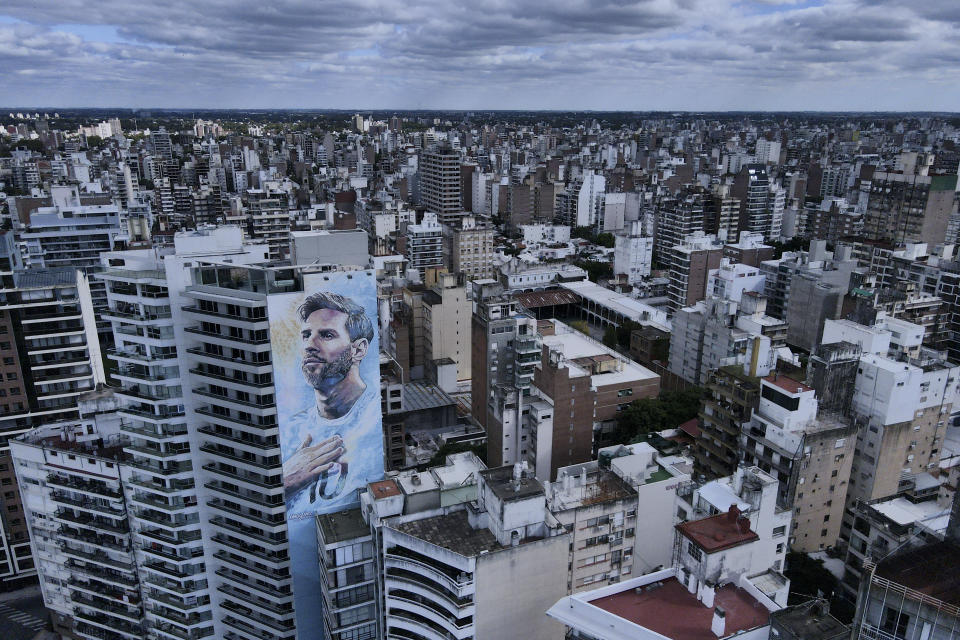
418	397
453	532
341	526
810	621
500	480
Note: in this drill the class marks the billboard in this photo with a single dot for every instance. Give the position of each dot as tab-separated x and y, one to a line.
326	368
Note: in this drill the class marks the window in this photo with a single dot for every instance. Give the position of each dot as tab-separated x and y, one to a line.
694	552
779	531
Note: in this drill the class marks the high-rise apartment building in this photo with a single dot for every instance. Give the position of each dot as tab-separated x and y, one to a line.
440	184
690	263
809	453
905	208
73	232
425	244
469	248
71	480
506	350
676	219
633	253
50	358
446	327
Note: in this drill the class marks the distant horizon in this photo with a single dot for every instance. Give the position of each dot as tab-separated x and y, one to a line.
35	109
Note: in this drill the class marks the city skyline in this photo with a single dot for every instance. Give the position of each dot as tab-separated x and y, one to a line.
686	55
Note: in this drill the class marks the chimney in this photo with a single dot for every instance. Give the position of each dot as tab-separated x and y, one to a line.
719	624
733	514
708	594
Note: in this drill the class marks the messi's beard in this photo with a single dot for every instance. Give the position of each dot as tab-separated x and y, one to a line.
330	373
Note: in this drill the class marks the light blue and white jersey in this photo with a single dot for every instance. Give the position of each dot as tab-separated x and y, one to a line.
363	443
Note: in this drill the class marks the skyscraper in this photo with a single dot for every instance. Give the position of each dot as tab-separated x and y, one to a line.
440	183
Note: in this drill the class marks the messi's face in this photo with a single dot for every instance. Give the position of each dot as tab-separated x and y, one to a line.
327	349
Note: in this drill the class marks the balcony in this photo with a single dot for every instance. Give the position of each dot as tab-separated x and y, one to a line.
239	513
106	543
109	623
149	394
216	376
225	316
267	502
250	532
95	488
248	442
267	605
267	466
182	619
171	469
239	362
278	575
165	432
156	452
180	539
247	423
95	558
102	590
276	558
253	405
243	477
102	574
176	487
228	338
248	581
250	630
88	522
150	416
283	627
100	604
149	501
121	354
128	316
167	521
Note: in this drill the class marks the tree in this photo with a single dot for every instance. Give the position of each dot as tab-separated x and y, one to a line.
809	578
595	270
610	337
606	240
581	326
648	415
94	141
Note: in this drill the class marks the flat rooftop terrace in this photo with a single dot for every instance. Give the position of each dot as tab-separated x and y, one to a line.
453	532
673	612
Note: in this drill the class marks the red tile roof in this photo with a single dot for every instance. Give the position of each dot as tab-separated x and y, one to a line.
671	611
691	428
719	532
787	384
384	489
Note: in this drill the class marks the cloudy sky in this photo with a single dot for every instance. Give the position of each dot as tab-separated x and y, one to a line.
509	54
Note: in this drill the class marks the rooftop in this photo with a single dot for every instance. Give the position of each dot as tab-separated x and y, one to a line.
810	621
453	532
384	489
787	384
501	482
341	526
419	397
719	532
669	609
904	512
577	347
624	305
930	570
